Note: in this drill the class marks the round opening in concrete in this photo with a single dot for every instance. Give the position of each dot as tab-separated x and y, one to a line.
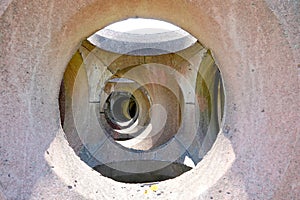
121	109
142	37
255	156
145	107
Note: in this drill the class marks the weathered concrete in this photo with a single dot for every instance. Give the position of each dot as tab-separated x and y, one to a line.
178	126
142	44
257	47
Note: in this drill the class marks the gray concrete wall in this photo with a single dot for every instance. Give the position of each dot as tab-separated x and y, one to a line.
183	122
256	44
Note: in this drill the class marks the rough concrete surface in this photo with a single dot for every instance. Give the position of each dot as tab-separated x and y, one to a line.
256	45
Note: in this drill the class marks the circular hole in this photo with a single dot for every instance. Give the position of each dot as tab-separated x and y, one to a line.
150	105
141	105
121	112
121	109
124	115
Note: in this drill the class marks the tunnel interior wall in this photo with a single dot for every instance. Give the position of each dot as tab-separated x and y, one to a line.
256	45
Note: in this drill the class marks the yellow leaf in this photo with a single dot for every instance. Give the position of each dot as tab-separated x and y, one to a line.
154	188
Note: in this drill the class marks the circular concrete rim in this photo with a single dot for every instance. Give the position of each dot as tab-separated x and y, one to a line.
109	146
226	16
142	45
141	106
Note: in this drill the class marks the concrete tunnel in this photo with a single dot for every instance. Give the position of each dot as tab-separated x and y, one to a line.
163	101
209	111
